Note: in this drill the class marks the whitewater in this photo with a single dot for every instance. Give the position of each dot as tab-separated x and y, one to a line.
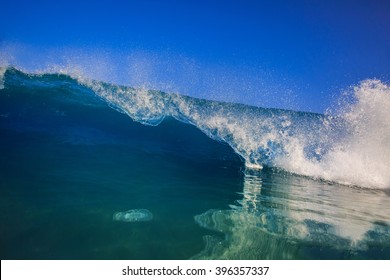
350	144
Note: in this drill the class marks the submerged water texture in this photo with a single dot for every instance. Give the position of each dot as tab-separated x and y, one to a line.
74	153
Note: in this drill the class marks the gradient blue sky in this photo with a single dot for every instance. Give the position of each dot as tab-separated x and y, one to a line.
290	54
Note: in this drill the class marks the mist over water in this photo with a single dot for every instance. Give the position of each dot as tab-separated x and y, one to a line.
158	70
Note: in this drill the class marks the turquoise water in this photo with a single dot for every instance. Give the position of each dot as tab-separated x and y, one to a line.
69	162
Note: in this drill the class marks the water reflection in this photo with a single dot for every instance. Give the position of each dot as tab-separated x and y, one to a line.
282	216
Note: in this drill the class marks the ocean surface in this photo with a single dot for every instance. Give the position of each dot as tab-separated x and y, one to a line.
92	170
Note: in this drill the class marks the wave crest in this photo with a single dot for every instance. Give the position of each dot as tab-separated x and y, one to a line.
351	147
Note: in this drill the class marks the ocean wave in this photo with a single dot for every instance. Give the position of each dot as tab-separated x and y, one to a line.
351	147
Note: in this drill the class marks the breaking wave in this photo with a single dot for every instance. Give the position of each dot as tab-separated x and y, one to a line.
350	147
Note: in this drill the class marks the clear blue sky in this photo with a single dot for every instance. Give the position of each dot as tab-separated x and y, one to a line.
293	54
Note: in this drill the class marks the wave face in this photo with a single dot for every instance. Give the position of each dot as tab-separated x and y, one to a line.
351	147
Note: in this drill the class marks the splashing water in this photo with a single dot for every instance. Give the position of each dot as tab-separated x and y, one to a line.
351	147
362	156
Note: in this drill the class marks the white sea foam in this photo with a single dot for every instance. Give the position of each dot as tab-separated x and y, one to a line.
356	152
362	157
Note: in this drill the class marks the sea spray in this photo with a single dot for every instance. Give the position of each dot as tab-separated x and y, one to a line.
362	156
351	147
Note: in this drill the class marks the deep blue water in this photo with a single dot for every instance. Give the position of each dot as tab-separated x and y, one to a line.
71	157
